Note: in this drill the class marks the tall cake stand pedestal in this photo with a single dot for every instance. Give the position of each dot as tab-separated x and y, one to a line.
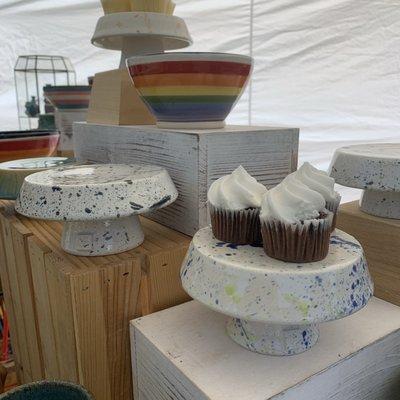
374	168
276	306
114	99
99	204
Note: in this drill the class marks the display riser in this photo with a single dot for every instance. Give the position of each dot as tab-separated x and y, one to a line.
193	158
184	353
380	238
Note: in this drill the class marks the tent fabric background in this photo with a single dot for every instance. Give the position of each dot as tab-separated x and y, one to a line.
329	67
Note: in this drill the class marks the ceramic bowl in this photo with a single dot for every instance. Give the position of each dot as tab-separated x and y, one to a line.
27	144
13	173
190	90
68	97
48	390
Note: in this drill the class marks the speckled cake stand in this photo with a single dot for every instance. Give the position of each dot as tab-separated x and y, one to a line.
276	306
374	168
98	203
135	33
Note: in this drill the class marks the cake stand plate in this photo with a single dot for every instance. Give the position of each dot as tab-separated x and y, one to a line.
275	307
135	33
374	168
99	204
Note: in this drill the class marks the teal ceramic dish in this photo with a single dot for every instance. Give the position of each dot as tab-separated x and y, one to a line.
48	390
13	173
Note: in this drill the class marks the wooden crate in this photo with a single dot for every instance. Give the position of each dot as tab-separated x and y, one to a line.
185	353
380	238
115	101
69	315
193	158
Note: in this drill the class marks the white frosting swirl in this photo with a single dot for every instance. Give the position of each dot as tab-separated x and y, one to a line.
317	180
291	202
236	191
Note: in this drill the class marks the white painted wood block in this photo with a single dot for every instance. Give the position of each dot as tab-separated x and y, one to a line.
193	158
64	120
183	353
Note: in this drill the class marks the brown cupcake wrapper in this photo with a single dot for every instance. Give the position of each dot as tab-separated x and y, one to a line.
298	243
334	207
236	226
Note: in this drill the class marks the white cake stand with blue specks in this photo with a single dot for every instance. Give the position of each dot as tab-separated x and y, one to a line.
99	204
374	168
276	306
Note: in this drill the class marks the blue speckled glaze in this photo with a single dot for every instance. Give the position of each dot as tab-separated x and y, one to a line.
244	283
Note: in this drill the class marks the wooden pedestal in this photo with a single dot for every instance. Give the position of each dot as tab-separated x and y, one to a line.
69	315
380	238
194	159
184	353
115	101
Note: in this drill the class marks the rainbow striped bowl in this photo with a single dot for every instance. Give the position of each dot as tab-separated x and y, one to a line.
68	97
190	90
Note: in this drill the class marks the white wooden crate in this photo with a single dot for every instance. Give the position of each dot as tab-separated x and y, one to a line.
193	158
183	353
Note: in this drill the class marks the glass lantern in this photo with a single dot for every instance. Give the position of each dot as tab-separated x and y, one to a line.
31	74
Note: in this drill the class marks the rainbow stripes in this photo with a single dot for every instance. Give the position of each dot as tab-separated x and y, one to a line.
14	146
190	90
68	97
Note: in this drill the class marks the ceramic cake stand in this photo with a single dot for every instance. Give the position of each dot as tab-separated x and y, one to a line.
98	203
276	306
135	33
374	168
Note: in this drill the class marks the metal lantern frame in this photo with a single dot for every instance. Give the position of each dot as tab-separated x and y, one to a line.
59	71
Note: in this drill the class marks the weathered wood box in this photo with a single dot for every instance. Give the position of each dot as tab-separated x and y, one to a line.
185	353
194	159
69	315
380	238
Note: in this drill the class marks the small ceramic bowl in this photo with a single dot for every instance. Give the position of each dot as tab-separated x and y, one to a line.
48	390
68	97
27	144
13	173
190	90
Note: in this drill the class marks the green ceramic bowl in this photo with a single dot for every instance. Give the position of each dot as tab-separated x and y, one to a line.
47	390
13	173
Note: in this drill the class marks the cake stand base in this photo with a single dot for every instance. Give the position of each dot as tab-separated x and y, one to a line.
191	125
381	204
97	238
275	340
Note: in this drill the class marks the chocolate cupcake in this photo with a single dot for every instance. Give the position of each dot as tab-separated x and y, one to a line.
295	224
234	202
322	183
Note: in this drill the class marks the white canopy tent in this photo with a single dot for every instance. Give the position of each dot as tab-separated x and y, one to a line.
329	67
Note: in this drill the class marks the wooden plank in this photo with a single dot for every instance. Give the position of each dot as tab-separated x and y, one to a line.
164	278
11	313
51	361
19	236
120	287
380	238
184	353
15	297
60	295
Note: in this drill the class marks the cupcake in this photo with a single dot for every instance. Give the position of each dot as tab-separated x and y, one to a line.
295	224
322	183
234	202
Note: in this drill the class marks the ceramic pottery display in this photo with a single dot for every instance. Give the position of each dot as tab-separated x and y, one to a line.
24	144
160	6
374	168
135	33
98	203
190	90
115	6
13	173
276	306
68	97
48	390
